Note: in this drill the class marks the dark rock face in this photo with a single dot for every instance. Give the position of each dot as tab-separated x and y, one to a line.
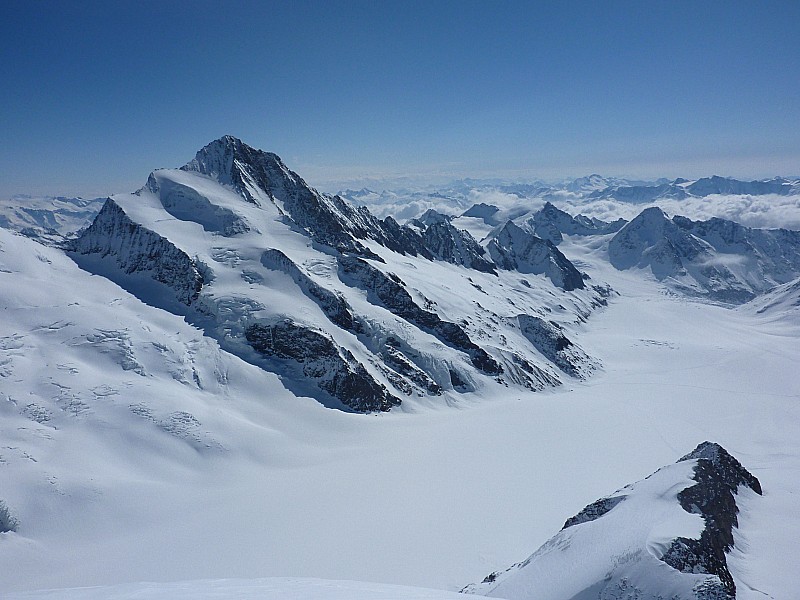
8	522
718	476
256	175
594	511
455	246
483	211
550	223
332	304
394	357
136	249
404	240
549	339
388	292
329	220
333	369
515	249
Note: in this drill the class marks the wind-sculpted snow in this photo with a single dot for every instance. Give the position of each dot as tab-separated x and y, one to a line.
136	249
272	588
515	249
782	303
716	258
666	536
187	204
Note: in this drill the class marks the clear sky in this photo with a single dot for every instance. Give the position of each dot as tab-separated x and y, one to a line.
95	95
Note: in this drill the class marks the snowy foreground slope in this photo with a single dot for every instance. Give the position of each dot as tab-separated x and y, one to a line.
244	589
664	537
139	443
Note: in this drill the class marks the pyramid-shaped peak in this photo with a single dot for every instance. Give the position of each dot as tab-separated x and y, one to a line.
708	450
218	159
652	214
232	162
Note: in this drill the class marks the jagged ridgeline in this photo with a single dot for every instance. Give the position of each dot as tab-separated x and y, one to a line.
358	312
667	536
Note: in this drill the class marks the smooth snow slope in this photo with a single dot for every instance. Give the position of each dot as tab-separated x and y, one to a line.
276	588
267	484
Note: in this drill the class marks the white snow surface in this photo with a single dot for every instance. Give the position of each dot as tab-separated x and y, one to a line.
133	448
273	588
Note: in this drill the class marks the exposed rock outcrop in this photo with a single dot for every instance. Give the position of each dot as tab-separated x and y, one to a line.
332	368
593	511
263	177
390	293
137	249
550	223
631	526
450	244
513	248
718	476
549	339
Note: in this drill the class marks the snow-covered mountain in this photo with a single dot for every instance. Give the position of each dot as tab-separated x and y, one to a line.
167	375
47	218
717	258
762	203
550	223
664	537
701	188
308	286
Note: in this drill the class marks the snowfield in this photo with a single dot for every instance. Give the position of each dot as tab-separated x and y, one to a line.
135	448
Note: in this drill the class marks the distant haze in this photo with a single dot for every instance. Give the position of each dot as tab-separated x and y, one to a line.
95	94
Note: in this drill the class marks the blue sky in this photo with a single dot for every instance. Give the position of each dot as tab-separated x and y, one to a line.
95	95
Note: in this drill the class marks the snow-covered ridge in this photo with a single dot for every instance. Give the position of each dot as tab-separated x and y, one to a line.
666	536
513	248
264	262
137	249
48	219
716	258
130	437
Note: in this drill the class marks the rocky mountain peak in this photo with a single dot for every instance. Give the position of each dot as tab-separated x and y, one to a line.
513	248
250	171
